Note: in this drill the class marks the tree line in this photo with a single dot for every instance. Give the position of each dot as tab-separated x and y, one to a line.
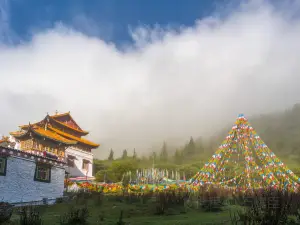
280	131
187	160
179	156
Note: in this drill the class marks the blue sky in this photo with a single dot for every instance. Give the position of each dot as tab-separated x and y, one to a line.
136	73
107	19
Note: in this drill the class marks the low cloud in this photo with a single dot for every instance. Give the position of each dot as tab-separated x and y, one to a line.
172	84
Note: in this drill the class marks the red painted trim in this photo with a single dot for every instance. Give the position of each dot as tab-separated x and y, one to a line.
34	155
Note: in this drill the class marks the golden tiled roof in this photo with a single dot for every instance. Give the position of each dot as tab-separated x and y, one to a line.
18	133
4	139
68	126
53	118
44	133
52	135
81	140
61	115
68	114
24	127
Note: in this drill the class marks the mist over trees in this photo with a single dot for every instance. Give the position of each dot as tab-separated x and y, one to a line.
280	131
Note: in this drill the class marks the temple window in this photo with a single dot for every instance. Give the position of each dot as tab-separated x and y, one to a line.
3	162
35	145
70	160
48	149
61	153
43	173
52	150
85	164
26	145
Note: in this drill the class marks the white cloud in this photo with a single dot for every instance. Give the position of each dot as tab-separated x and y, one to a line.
171	85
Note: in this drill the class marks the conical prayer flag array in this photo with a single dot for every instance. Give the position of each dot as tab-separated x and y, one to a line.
244	161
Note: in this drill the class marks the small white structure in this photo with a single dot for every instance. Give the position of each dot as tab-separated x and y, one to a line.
80	163
26	177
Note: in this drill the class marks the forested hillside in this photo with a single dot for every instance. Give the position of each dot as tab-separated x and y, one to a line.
280	131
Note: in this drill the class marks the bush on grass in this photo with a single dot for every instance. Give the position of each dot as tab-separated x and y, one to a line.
75	216
267	207
29	216
169	199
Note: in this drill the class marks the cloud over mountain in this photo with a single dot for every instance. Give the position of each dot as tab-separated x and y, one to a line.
170	84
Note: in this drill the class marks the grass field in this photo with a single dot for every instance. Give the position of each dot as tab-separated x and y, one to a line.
268	206
108	213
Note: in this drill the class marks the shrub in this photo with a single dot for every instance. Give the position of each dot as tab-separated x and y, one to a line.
98	198
169	199
5	211
75	216
264	209
29	216
121	222
59	200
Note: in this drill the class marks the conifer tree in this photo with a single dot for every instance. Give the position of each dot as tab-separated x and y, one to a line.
164	153
178	158
152	157
124	155
111	155
134	154
190	148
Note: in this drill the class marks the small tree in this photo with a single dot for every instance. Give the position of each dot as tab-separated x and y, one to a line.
188	170
125	154
106	176
152	157
134	154
178	157
164	153
118	169
98	165
189	150
111	155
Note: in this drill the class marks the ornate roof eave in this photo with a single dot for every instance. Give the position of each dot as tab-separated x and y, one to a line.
79	140
54	139
69	127
26	126
4	139
20	134
69	115
92	147
30	129
52	118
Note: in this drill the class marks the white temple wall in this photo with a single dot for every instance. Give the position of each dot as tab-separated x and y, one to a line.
18	185
77	170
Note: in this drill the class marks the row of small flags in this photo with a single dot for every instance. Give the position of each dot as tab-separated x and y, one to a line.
155	174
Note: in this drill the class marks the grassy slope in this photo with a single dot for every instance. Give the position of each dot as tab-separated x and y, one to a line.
135	214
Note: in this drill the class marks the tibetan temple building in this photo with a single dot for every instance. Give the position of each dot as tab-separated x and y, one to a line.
61	137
